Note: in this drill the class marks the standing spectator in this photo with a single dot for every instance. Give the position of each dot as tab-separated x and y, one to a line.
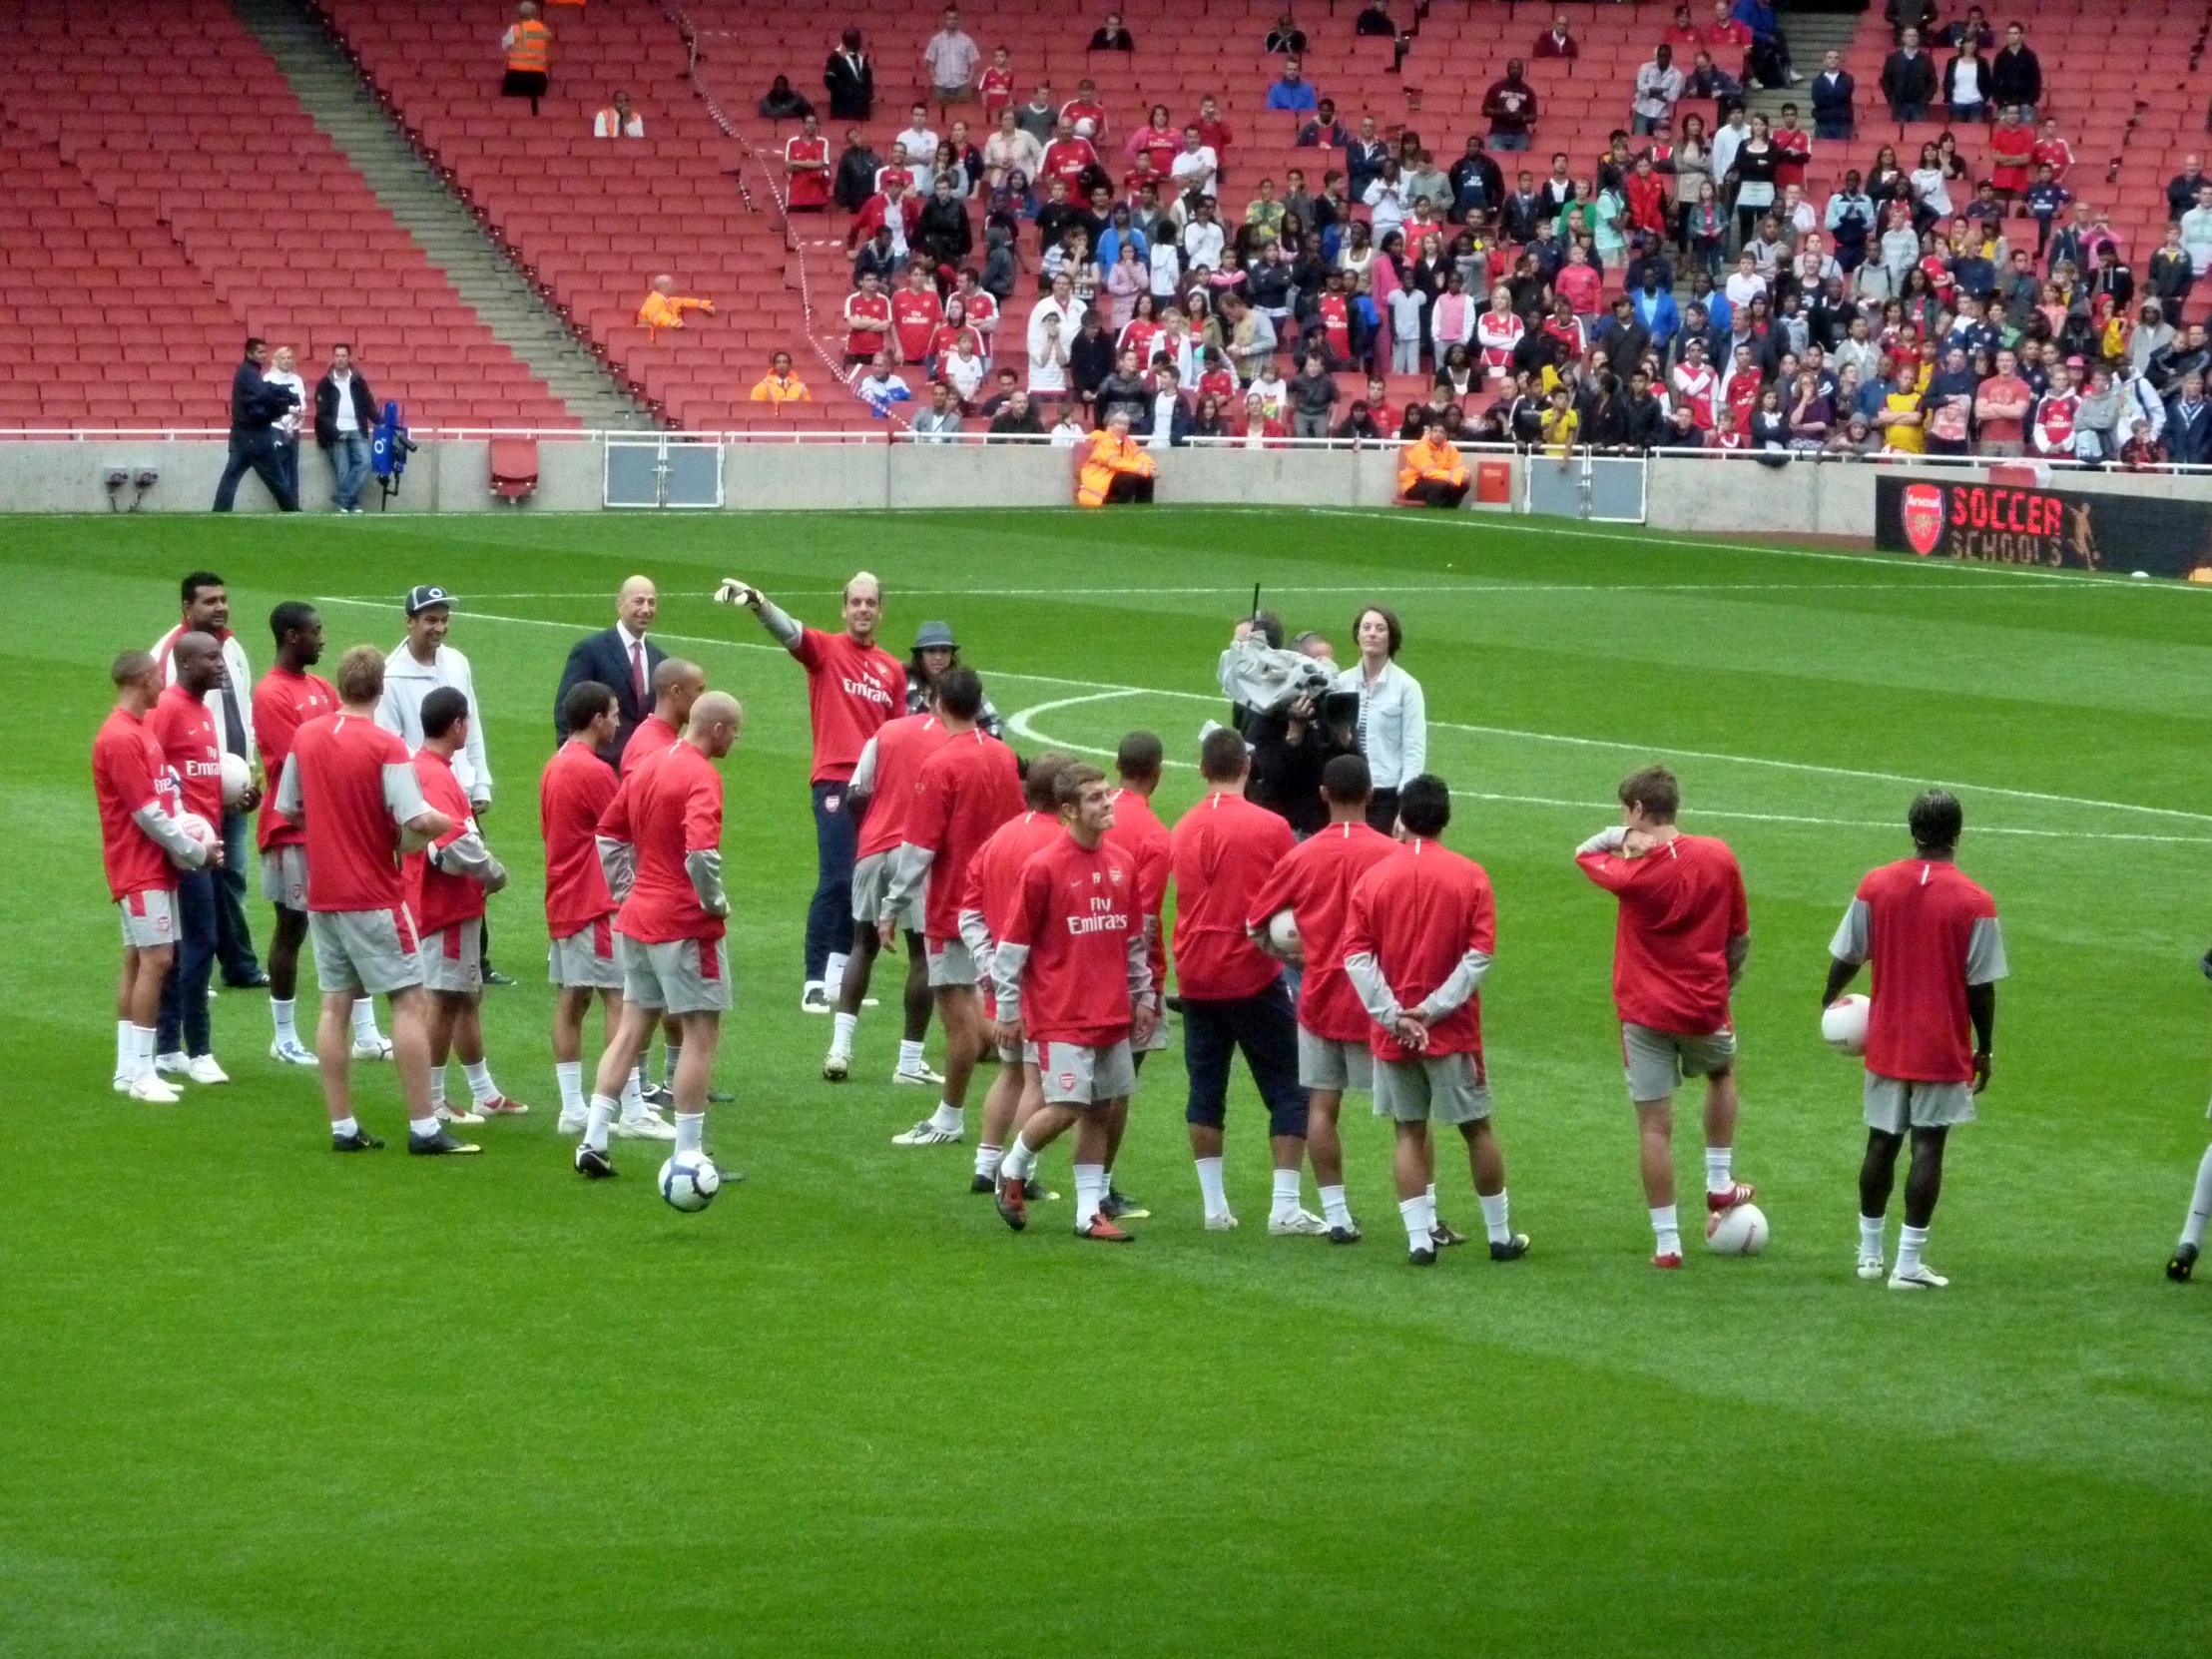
618	120
528	44
2189	424
849	80
1040	117
1966	84
286	431
1511	107
1393	726
345	414
950	58
2015	74
1291	92
1112	36
1756	164
781	102
2196	231
620	658
1658	90
1365	159
1556	42
1909	79
256	406
942	229
1946	407
2001	408
2181	190
806	166
939	422
1832	91
856	170
1313	394
2170	273
1050	338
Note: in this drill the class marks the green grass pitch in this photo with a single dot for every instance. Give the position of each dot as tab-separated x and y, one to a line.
258	1401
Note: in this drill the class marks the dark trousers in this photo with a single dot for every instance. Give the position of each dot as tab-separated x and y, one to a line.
234	936
1436	492
1129	486
837	840
1382	811
255	450
1266	1028
185	993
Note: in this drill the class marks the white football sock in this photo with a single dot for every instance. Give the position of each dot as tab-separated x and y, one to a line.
632	1093
832	974
841	1027
1090	1192
142	1043
1718	1162
690	1131
1415	1212
125	1048
595	1126
1496	1217
1911	1242
947	1117
909	1053
1211	1187
1870	1235
1334	1208
1286	1195
987	1159
437	1087
1428	1211
1666	1236
424	1128
365	1021
280	1016
1019	1161
346	1126
669	1054
1430	1195
569	1074
2200	1206
480	1086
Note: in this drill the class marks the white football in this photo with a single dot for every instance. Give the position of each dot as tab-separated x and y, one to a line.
198	828
689	1181
1282	931
238	777
1741	1231
1843	1023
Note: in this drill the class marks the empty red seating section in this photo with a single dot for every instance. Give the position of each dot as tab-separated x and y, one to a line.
179	199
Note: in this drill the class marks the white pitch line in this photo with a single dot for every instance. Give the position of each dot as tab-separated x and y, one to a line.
1109	690
1387	588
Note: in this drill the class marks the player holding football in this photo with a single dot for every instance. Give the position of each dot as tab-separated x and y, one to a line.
287	697
963	792
853	687
661	839
1938	953
142	846
193	753
448	882
349	783
1422	934
1679	948
1074	976
1223	850
1315	885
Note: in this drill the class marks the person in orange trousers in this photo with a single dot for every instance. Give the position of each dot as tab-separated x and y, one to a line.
1114	468
1430	471
664	307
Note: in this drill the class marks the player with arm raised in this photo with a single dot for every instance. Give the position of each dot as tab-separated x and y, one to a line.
142	846
1139	833
1315	885
349	783
1422	934
963	792
853	687
662	839
882	791
1933	938
1074	979
1680	946
448	884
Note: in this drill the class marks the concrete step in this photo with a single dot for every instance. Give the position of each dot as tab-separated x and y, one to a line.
331	89
1810	34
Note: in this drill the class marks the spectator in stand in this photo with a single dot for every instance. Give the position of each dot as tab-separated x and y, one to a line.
1908	17
892	210
1967	85
781	102
1511	107
880	387
1016	418
996	84
1214	131
2015	74
2142	449
2181	359
1727	34
2189	424
807	168
528	44
2012	154
1947	405
1909	79
1112	36
1067	431
2196	231
868	321
344	416
1286	39
1556	41
1324	131
1167	415
1088	113
1052	328
2172	273
1359	423
1195	170
1375	22
618	119
1009	150
1365	159
1658	90
1834	114
664	307
940	422
1040	117
285	430
942	224
2052	151
780	386
1313	395
856	170
1292	91
849	80
2181	190
950	58
1767	59
2043	200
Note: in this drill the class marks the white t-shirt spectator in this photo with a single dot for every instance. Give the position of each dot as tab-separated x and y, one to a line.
288	422
1048	370
1167	268
1203	241
1068	433
921	155
1195	169
1273	394
1406	309
1932	190
2196	237
963	372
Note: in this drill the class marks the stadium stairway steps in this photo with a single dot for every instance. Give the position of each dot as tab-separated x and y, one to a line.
331	91
1812	34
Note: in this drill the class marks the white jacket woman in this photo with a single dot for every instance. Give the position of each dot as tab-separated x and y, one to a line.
1394	716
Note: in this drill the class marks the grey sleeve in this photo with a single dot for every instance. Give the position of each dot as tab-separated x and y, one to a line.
1007	961
705	870
168	835
1853	941
1374	991
1140	966
1605	841
1453	993
785	630
863	772
977	937
617	861
1986	952
402	791
913	865
287	789
466	855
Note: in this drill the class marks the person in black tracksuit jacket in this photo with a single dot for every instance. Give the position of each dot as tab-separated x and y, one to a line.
256	406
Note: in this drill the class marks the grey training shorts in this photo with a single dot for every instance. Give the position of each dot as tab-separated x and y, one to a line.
681	976
871	885
285	877
365	950
1329	1064
950	963
586	960
1895	1104
1450	1088
453	958
1079	1074
149	917
1658	1061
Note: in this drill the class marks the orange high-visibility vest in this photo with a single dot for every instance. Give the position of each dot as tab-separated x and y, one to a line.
529	47
1109	455
1428	458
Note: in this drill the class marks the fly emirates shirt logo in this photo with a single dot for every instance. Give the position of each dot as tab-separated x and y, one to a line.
866	689
1106	916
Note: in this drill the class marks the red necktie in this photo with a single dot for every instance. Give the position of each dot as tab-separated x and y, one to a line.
637	669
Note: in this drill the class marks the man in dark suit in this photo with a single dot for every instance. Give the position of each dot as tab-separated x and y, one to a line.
256	407
620	658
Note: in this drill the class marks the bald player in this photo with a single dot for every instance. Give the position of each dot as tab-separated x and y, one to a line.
677	685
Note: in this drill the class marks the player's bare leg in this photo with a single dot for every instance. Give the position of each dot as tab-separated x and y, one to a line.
693	1077
1413	1168
1722	1191
485	1097
661	1093
1486	1163
410	1054
1877	1175
138	1008
960	1012
1446	1235
570	1004
333	1052
1655	1161
1924	1185
633	1035
284	940
1324	1147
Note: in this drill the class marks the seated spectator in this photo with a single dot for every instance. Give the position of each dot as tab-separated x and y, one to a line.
618	119
1767	57
1287	39
880	387
1112	36
1375	21
664	307
1359	423
779	384
962	366
1430	472
1258	429
1324	131
1855	438
781	102
939	422
1015	417
2141	449
528	44
1292	91
1511	107
1114	468
1908	17
1067	431
1557	41
1909	79
1312	397
1728	35
878	259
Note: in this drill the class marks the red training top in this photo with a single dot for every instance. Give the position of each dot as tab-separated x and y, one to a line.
352	780
1223	850
1924	932
436	899
283	702
1139	833
666	808
1417	915
128	774
574	791
901	747
1077	915
180	724
1680	904
963	792
851	689
1315	885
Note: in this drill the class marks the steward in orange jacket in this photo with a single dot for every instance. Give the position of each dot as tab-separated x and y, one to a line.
664	307
1112	466
1430	473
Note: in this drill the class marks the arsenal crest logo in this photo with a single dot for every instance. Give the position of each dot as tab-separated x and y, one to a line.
1922	509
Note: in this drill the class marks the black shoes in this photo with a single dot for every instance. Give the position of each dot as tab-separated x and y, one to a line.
1445	1237
1345	1235
445	1144
2183	1263
596	1164
1512	1249
363	1141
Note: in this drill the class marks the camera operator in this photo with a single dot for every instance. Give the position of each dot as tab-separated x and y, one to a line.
1301	727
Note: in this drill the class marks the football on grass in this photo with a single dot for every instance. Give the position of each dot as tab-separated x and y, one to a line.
1844	1024
689	1181
1740	1231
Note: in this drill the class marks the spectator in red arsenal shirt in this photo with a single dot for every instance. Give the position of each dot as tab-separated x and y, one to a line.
915	315
868	320
853	687
1683	34
1938	953
890	209
1234	996
1419	939
1680	946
